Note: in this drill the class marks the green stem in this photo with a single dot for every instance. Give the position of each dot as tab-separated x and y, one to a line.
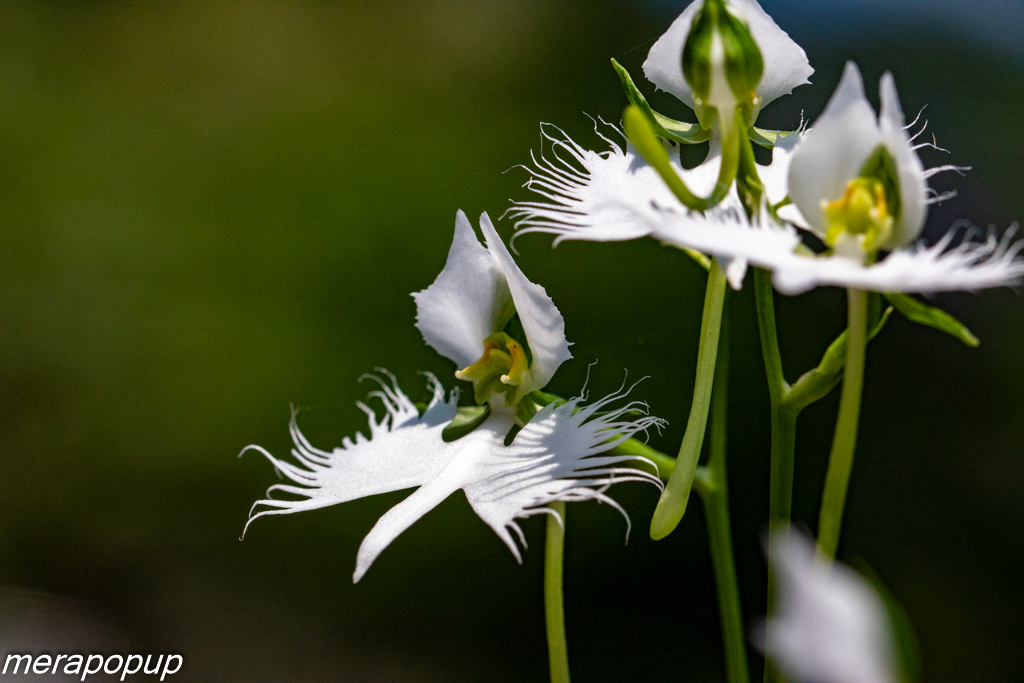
672	504
845	441
716	510
554	611
783	440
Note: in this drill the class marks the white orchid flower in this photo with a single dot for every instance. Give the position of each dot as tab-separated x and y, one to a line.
857	183
830	625
553	457
463	316
617	195
785	62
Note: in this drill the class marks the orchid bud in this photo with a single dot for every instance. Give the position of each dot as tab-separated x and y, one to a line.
722	64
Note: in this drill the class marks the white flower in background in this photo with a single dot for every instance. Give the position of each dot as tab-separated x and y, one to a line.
858	184
466	312
785	62
616	195
830	625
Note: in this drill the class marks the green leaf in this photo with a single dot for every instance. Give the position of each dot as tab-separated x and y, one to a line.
466	420
670	129
767	138
817	383
923	314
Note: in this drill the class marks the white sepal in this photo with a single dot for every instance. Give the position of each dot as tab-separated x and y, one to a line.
833	152
830	625
468	301
785	62
403	450
477	293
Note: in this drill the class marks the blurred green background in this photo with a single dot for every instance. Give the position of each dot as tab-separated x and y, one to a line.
211	210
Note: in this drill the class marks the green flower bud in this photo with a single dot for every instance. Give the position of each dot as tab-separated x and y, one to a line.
722	64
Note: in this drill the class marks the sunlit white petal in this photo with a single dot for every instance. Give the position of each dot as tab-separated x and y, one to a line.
785	62
830	624
557	456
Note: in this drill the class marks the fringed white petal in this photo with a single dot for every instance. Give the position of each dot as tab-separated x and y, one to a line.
595	196
785	62
830	625
460	471
543	324
616	195
971	265
468	301
556	457
404	450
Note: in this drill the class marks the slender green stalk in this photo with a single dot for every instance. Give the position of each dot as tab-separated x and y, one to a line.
783	440
844	443
672	504
716	510
554	610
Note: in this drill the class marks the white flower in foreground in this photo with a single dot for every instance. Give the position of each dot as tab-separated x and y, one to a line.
858	184
785	62
554	457
464	313
830	625
616	195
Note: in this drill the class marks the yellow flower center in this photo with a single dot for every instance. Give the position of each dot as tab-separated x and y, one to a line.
501	369
862	212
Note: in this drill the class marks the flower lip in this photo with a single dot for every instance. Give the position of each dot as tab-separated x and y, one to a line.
847	137
476	295
785	62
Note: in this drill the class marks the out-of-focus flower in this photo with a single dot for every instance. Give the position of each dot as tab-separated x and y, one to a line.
554	456
830	625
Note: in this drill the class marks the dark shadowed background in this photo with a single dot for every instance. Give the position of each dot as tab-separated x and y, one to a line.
211	210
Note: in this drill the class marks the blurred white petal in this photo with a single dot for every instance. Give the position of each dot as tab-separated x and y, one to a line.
830	625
